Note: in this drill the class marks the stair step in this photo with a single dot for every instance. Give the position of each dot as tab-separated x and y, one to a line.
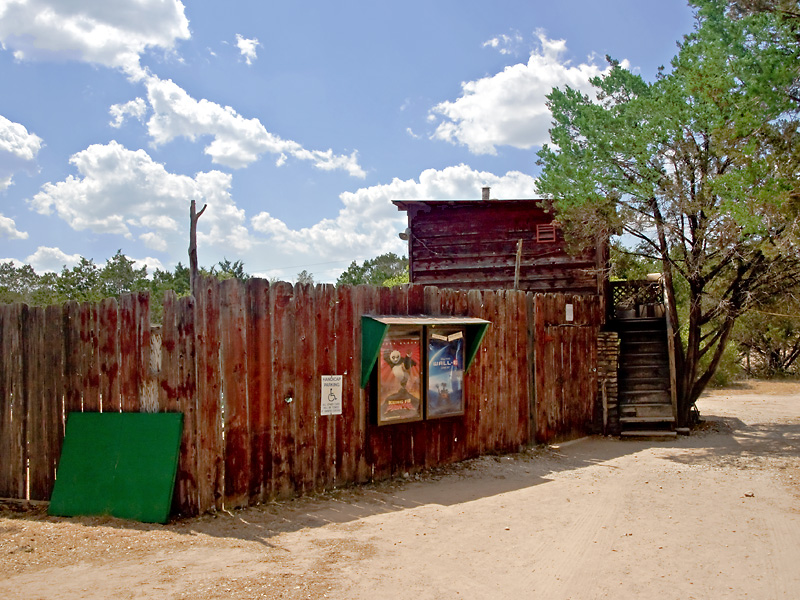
653	419
655	413
660	396
644	372
649	434
629	320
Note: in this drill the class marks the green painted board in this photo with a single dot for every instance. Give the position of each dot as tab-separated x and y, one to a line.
118	464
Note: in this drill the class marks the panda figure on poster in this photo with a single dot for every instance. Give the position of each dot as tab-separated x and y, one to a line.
400	365
401	370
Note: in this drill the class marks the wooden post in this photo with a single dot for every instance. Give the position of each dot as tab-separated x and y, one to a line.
193	217
517	265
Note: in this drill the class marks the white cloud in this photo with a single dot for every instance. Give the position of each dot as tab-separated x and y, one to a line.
135	108
509	108
18	150
51	259
505	44
247	48
237	141
368	223
15	139
124	192
151	263
113	33
8	229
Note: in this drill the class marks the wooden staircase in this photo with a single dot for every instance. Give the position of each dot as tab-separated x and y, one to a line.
645	401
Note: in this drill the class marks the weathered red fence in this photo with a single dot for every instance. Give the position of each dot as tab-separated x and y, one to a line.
244	363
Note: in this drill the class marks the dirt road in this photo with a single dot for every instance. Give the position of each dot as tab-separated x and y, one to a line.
714	515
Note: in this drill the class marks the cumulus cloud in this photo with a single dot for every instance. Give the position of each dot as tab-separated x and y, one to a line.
237	141
113	33
368	223
8	229
125	192
508	108
136	108
18	150
51	260
247	48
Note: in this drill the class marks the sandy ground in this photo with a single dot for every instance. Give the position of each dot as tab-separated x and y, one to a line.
713	515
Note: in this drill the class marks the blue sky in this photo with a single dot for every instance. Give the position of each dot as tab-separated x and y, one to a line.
296	122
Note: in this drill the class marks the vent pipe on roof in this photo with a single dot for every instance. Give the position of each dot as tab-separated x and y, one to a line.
485	193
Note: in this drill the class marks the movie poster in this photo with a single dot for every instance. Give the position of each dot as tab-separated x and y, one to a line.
399	379
445	388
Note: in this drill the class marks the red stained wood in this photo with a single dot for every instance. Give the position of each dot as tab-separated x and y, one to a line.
565	365
259	354
282	301
54	390
35	420
326	344
347	331
145	375
473	245
108	348
167	376
129	355
234	393
306	402
264	345
73	400
210	464
90	364
365	301
186	492
12	419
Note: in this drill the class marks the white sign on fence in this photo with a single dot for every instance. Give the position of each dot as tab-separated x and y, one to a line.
331	395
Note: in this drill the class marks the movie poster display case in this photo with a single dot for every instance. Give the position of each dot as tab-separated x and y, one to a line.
418	365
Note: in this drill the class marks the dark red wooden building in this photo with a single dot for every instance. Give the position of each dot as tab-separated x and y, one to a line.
497	244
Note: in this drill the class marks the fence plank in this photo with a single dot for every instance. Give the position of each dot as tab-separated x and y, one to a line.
282	300
306	401
186	383
5	400
259	361
366	300
234	392
346	365
325	326
129	354
35	401
54	368
12	427
210	453
108	346
73	400
90	365
167	376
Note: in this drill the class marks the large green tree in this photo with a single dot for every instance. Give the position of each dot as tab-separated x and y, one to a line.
386	269
701	167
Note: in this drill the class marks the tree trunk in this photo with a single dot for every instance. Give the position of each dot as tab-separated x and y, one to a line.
193	217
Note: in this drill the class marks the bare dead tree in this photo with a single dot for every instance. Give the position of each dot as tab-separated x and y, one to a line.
193	217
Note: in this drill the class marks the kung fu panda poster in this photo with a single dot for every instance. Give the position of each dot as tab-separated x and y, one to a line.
399	379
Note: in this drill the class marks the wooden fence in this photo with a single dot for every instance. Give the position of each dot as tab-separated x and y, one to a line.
243	362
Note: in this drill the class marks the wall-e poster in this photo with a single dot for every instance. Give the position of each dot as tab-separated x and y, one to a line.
399	381
445	389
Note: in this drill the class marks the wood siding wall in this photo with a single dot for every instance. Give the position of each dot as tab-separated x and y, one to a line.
247	360
473	245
